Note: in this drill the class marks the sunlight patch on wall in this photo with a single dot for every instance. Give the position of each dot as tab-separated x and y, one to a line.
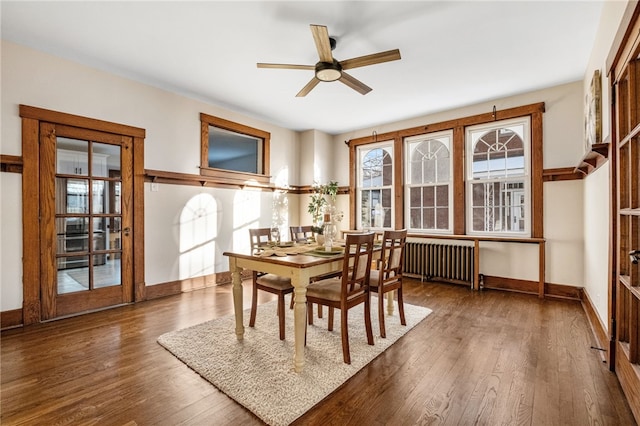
280	204
246	215
198	231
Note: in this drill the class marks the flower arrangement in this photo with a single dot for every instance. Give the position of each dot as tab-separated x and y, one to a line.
319	205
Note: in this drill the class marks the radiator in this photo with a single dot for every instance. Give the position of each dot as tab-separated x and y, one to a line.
439	262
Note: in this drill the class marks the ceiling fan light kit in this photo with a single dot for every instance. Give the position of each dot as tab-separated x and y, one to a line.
329	69
326	71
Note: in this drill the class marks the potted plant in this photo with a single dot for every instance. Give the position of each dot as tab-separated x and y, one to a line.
319	205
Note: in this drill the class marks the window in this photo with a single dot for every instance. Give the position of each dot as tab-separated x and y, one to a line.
375	186
498	182
428	182
475	175
233	152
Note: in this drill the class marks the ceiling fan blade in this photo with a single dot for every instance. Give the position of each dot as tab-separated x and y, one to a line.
287	66
306	89
321	38
376	58
355	84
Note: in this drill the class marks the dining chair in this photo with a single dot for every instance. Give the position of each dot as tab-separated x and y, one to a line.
350	290
388	276
301	234
270	283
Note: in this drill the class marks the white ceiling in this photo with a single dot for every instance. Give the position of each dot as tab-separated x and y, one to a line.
453	53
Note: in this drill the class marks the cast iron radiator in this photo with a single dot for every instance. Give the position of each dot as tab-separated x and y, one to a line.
439	262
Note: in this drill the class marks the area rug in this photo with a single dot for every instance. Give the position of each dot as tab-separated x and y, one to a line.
257	372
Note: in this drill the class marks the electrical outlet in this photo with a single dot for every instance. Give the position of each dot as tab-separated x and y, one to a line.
154	187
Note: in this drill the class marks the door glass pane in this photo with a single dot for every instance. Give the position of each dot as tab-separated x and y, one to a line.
97	196
72	157
106	271
75	274
105	158
75	195
114	197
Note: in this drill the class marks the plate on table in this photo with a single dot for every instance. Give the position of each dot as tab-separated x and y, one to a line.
286	244
334	250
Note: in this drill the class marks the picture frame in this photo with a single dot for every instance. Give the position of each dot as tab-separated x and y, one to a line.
593	112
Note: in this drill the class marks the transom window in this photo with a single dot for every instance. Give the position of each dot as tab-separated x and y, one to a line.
375	188
233	152
498	177
428	182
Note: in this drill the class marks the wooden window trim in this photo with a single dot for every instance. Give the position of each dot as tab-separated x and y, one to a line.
458	126
230	176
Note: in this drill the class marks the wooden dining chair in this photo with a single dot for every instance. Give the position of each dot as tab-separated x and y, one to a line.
388	276
270	283
350	290
301	234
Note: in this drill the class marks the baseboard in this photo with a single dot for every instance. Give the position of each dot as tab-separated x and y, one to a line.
189	284
597	327
162	290
11	319
556	291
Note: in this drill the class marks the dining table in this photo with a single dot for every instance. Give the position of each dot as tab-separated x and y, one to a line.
299	263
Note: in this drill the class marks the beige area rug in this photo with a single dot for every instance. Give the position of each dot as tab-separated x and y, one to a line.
257	372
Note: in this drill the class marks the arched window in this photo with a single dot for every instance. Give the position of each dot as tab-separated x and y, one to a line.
428	182
375	189
498	188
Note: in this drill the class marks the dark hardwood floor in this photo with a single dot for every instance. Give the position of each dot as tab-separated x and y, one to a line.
486	358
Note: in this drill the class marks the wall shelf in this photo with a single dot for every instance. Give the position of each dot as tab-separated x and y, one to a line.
593	159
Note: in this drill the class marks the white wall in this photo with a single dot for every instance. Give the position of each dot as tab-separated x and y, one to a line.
172	144
10	241
596	185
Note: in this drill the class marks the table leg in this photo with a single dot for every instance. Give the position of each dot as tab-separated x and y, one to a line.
390	303
237	297
300	320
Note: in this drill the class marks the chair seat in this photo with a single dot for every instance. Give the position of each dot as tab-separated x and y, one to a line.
374	280
274	281
326	289
330	289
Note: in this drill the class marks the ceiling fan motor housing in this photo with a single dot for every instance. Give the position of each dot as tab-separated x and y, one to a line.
328	71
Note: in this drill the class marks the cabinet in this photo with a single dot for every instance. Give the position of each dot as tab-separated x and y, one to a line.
77	163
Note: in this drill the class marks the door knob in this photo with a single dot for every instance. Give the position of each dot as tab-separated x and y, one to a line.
126	231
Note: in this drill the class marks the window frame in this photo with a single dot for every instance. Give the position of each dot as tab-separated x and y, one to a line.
389	146
232	176
417	139
526	176
535	111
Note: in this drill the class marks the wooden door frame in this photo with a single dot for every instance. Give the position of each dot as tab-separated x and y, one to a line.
31	244
619	53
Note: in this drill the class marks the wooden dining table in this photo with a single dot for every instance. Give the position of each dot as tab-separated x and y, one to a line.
300	268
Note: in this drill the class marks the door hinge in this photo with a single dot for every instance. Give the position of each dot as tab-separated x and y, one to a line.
613	329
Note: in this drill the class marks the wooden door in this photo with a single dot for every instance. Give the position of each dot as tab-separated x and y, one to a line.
86	219
625	158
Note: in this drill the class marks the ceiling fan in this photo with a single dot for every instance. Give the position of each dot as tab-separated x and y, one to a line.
330	69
